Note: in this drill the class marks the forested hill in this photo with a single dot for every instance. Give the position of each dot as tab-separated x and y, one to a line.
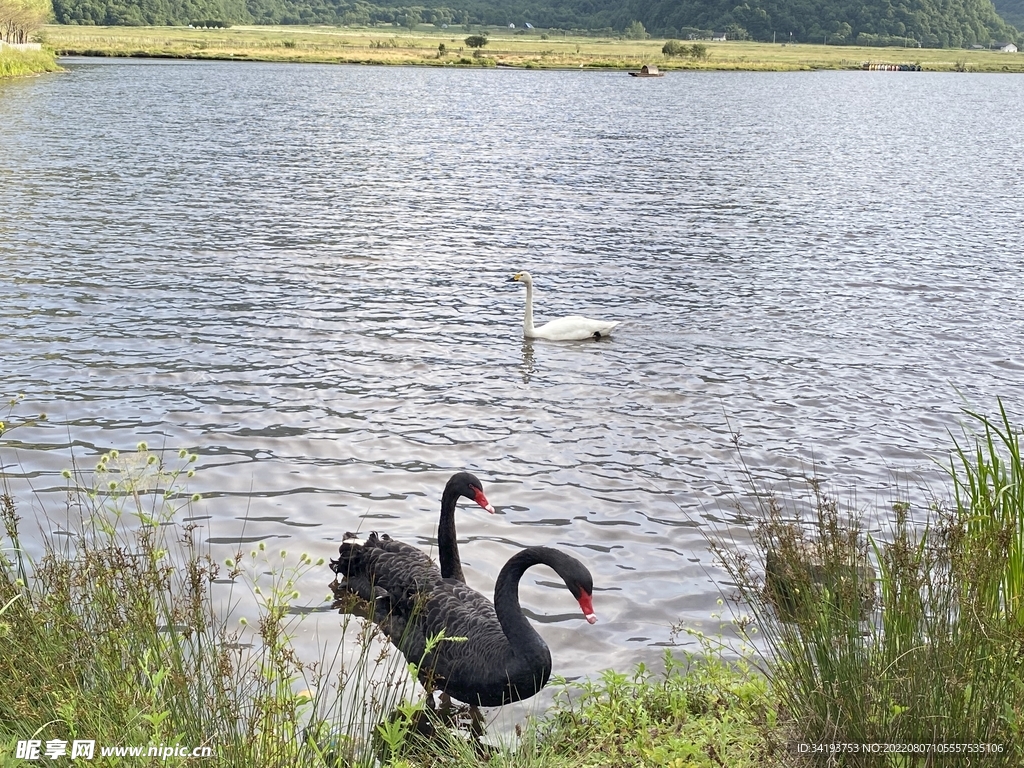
1012	11
931	23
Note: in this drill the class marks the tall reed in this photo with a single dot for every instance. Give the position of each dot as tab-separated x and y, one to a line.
112	634
913	637
988	485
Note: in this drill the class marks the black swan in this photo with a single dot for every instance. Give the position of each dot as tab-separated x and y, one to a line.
502	659
459	484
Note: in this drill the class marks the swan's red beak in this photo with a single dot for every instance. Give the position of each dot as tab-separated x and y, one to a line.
587	604
479	498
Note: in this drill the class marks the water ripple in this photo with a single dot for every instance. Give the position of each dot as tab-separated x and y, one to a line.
298	273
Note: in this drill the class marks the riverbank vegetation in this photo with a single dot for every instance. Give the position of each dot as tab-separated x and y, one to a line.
429	46
910	635
18	63
112	633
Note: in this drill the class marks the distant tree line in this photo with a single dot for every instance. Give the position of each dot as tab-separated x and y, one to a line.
929	23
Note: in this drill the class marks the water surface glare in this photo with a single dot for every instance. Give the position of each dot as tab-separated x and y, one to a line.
298	272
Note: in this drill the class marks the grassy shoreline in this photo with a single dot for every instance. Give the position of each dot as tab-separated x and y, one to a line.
114	636
393	46
912	637
909	638
15	63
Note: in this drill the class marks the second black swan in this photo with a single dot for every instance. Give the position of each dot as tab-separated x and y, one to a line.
459	484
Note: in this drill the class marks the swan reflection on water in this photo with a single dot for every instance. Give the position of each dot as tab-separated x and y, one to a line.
528	363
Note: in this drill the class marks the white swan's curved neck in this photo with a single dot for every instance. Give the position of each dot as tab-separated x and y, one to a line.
528	317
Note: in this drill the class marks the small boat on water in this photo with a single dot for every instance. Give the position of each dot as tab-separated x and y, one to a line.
647	70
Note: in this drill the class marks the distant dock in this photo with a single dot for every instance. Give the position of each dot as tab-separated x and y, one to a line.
883	67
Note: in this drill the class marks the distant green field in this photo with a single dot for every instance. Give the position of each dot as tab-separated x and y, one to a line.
395	46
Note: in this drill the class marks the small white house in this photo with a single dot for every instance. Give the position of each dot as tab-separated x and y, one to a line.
719	38
1009	48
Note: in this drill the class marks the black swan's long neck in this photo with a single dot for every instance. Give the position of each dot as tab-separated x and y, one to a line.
447	541
522	637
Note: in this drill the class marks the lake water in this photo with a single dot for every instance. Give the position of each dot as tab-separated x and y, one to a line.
298	272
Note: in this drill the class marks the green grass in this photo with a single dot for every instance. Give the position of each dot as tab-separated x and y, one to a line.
112	635
14	63
988	482
701	712
396	46
910	636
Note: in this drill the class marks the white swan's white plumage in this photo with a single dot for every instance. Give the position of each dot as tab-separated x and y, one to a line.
564	328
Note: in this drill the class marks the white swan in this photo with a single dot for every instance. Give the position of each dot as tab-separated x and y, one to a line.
564	328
